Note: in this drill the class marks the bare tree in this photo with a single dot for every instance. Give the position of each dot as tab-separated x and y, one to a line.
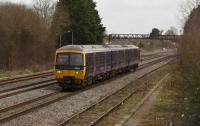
186	8
172	31
23	43
45	8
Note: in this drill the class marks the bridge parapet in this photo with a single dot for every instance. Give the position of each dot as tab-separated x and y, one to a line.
144	36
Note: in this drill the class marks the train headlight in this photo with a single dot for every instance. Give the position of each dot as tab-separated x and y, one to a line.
77	72
59	72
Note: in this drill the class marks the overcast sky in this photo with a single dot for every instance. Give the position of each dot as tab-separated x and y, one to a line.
135	16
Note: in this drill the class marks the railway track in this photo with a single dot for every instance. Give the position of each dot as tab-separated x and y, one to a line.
142	102
28	106
149	55
152	57
24	78
153	61
36	85
33	86
25	107
17	79
97	111
11	112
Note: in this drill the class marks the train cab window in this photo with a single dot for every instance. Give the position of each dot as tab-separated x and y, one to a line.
76	59
70	59
63	59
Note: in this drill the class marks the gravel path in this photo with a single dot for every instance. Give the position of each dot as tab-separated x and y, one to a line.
59	111
139	115
136	114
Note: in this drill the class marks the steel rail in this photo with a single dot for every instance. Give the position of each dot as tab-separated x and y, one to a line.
151	57
95	122
16	111
37	85
16	79
107	97
24	78
26	88
33	86
143	101
26	107
58	96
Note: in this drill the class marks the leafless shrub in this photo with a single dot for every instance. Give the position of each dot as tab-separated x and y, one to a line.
24	39
190	46
189	63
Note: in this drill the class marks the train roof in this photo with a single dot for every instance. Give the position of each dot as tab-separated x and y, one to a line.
97	48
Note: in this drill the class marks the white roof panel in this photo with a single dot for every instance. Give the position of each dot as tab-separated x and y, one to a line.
97	48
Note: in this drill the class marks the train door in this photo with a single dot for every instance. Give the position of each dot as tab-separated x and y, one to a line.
108	61
89	64
126	58
94	64
129	57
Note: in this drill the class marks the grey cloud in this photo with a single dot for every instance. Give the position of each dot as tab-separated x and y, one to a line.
135	16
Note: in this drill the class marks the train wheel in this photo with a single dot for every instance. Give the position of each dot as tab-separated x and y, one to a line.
90	80
84	84
63	88
94	80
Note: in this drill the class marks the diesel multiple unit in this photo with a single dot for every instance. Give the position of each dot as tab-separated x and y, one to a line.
81	65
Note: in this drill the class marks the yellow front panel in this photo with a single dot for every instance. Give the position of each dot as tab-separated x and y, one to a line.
78	74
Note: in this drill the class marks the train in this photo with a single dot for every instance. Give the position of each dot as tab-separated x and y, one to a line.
82	65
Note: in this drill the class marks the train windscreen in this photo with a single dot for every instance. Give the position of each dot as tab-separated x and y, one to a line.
70	60
76	59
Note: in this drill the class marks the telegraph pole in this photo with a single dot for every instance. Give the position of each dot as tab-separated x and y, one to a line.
72	36
60	41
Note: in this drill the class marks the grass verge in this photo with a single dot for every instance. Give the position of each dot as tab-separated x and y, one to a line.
4	74
145	85
168	110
